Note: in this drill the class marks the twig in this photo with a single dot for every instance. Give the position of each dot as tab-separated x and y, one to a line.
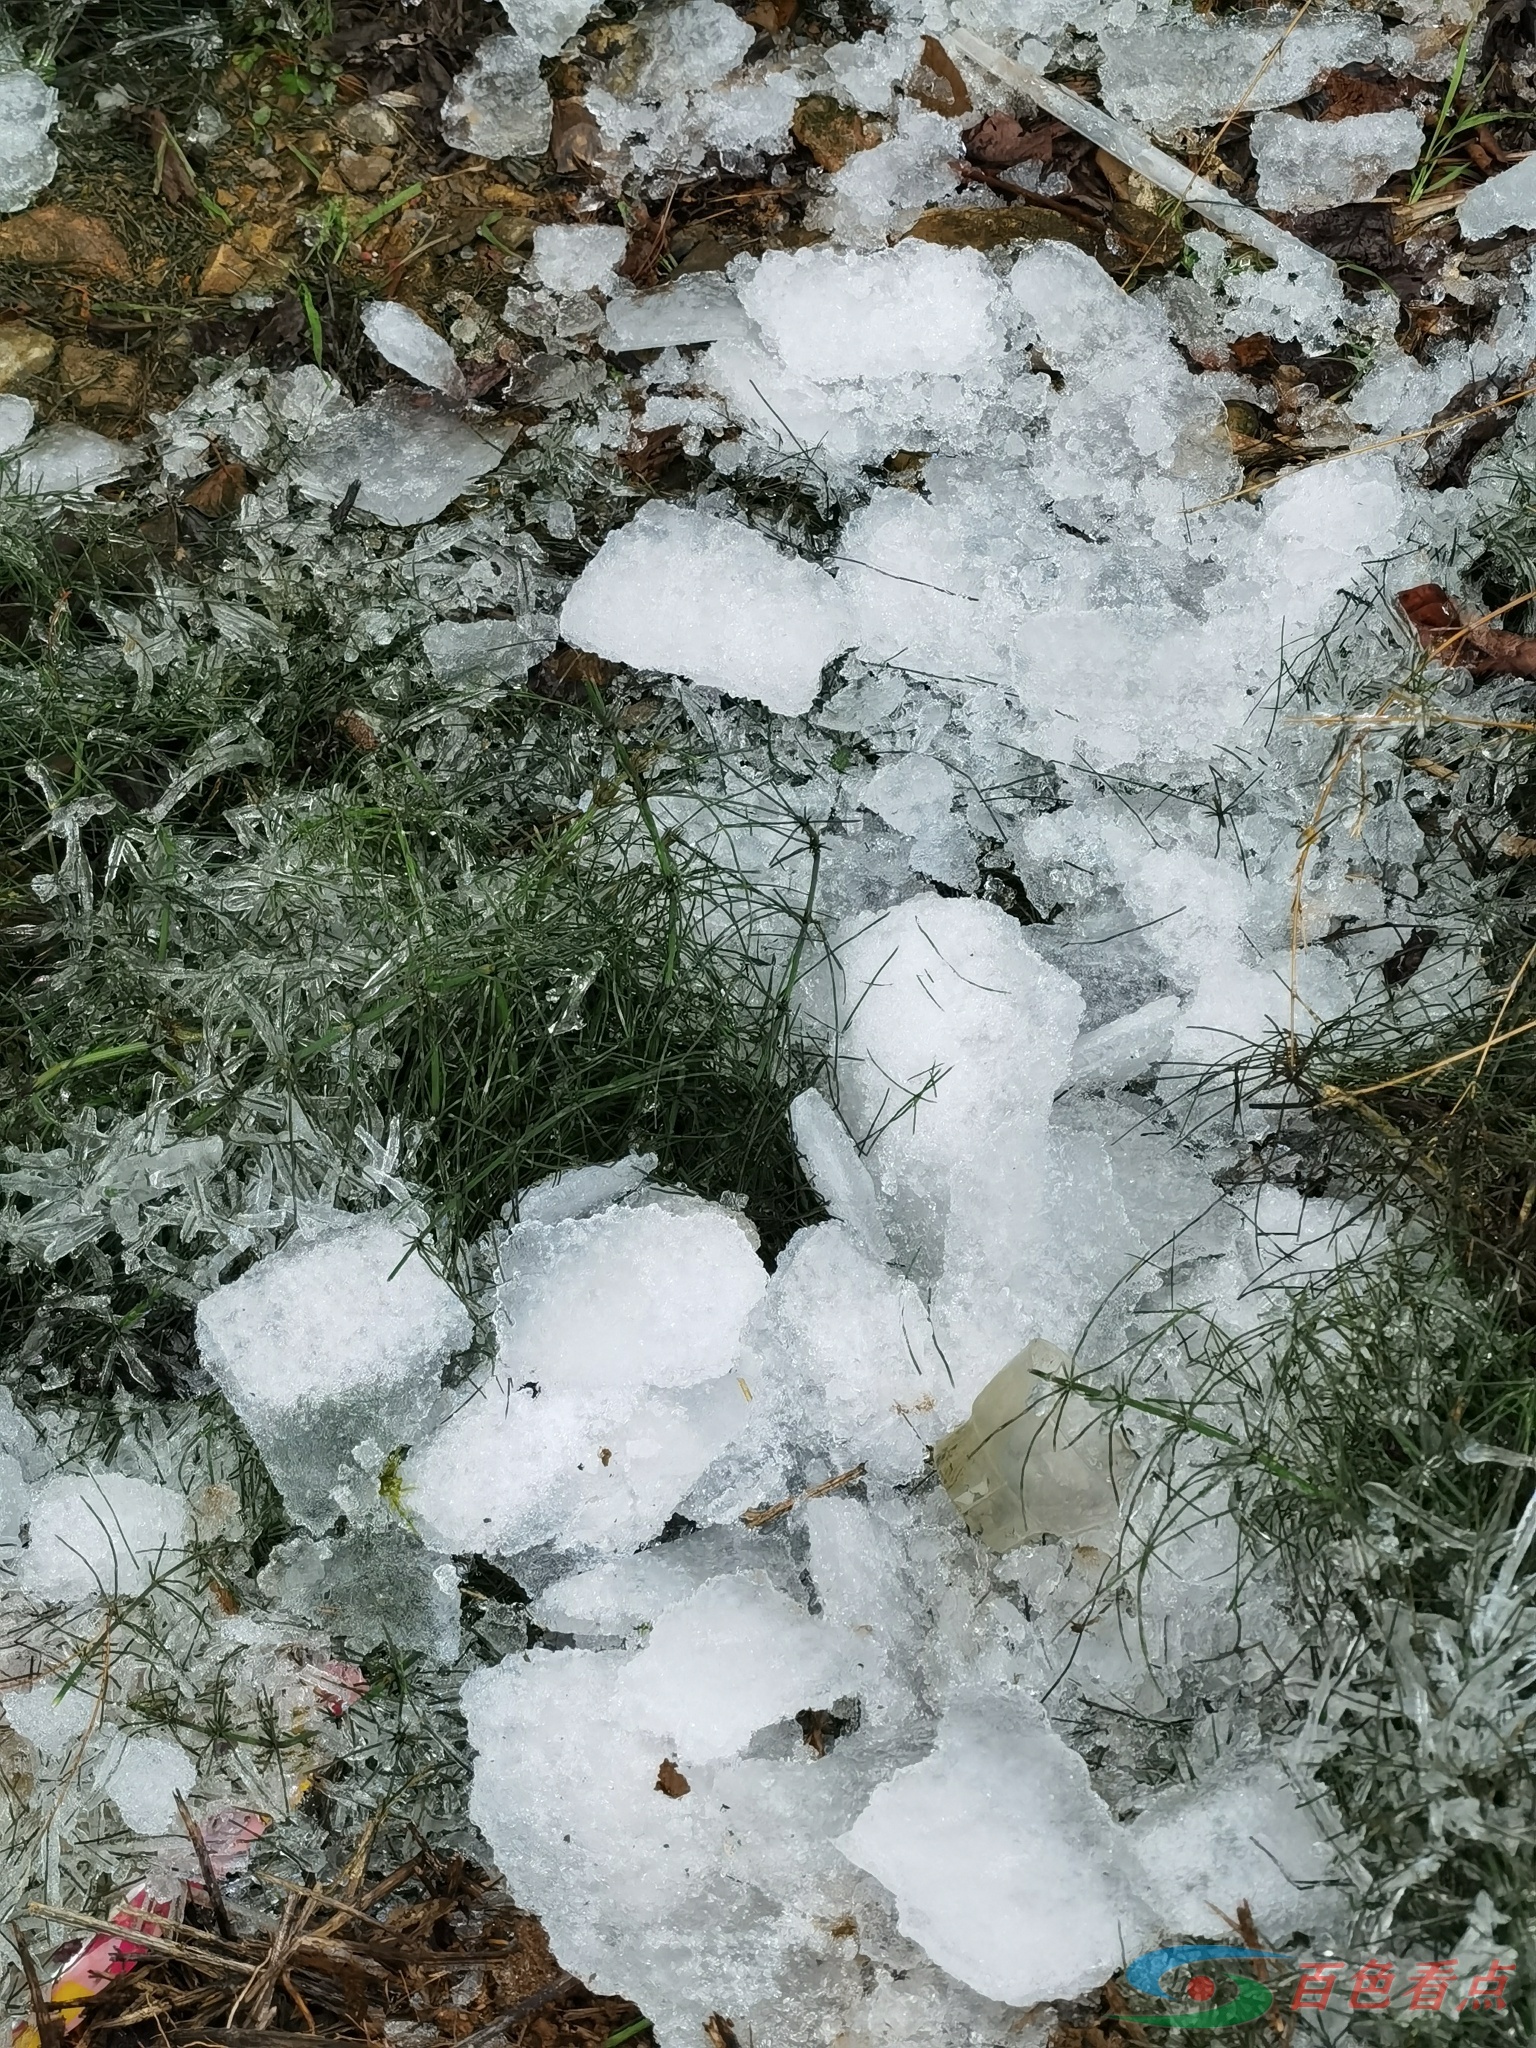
759	1518
205	1864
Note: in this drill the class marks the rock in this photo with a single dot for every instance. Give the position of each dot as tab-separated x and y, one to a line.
57	237
25	353
364	173
831	131
99	379
369	127
987	227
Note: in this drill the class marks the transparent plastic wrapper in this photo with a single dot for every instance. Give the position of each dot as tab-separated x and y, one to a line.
1026	1465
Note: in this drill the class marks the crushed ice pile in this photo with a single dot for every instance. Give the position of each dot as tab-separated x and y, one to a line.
822	1729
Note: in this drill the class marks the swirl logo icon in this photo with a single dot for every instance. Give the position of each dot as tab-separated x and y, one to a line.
1252	2001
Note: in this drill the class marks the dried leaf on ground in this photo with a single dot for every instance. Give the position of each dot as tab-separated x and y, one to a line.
575	140
936	83
56	237
669	1779
831	131
98	379
999	140
173	174
977	227
219	493
1484	650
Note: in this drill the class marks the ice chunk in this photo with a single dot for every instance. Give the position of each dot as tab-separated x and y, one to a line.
694	309
409	459
582	1189
957	1036
834	314
688	48
578	259
499	106
326	1343
547	24
1025	1465
735	1658
16	417
615	1339
100	1535
404	339
1308	165
1173	71
1506	200
868	71
457	649
15	1498
64	459
50	1719
837	1173
709	599
1006	1866
1247	1831
144	1779
374	1585
28	110
911	792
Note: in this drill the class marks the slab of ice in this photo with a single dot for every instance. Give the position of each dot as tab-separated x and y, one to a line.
15	1498
837	1173
329	1342
16	417
547	24
578	259
1006	1866
375	1585
28	110
409	459
709	599
694	309
64	459
51	1720
144	1779
499	106
1506	200
404	339
100	1535
957	1036
1246	1831
1171	71
1307	165
735	1658
616	1334
688	48
582	1190
831	314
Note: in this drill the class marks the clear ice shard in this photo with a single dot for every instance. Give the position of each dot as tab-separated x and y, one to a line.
404	339
327	1343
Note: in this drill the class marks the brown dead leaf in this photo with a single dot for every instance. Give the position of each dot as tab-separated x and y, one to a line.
987	227
173	174
98	379
771	15
225	273
831	131
1346	94
1145	236
56	237
575	140
219	493
1515	846
354	727
936	84
999	140
1483	650
719	2032
669	1779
